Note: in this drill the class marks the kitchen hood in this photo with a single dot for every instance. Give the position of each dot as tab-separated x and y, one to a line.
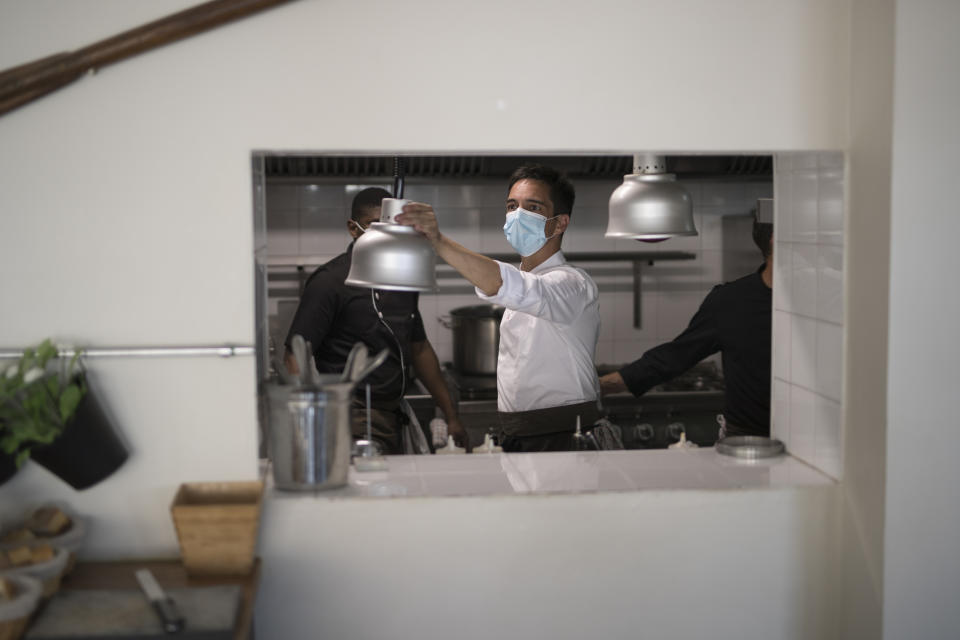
300	167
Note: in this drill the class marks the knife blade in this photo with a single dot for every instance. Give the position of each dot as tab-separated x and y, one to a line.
164	605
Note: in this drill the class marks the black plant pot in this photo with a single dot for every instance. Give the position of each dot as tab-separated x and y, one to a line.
8	467
89	449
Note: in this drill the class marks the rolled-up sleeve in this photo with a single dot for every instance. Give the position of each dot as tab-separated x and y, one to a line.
559	295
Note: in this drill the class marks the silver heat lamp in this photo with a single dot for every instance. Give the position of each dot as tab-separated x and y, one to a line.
650	205
393	256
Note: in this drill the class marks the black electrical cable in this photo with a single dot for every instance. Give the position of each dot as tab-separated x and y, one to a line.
403	368
398	170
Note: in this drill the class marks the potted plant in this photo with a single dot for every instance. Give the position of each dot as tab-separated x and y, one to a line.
48	414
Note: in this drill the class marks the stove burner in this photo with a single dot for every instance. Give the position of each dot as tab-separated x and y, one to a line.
701	377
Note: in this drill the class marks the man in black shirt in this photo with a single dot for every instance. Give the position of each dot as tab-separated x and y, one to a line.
734	319
333	317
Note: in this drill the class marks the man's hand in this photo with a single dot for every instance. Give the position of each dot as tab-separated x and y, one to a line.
612	383
481	271
460	435
422	218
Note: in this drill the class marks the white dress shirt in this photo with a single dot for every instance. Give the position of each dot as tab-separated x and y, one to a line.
548	336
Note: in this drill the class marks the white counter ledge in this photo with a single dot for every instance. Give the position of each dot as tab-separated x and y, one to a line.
554	545
570	472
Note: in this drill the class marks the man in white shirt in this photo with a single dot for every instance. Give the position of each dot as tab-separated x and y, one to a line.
546	378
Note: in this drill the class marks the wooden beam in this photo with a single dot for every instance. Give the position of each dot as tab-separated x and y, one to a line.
27	82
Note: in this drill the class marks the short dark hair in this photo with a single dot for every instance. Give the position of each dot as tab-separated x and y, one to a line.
368	198
561	189
762	233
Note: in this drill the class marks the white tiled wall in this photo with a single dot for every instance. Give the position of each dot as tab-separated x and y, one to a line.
306	225
808	306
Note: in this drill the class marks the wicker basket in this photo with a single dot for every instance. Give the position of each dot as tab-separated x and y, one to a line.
217	525
15	614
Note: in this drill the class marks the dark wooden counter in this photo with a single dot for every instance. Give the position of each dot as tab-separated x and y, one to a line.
170	574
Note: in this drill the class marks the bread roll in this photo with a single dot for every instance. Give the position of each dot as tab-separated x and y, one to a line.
20	556
41	553
48	521
18	536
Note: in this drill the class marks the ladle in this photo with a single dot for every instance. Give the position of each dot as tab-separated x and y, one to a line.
299	347
351	357
368	369
315	378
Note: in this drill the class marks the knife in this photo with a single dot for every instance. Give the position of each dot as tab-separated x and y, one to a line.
166	608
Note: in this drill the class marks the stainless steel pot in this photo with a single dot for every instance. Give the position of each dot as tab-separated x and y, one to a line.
476	338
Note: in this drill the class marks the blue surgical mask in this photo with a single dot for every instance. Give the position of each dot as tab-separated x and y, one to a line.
357	225
525	231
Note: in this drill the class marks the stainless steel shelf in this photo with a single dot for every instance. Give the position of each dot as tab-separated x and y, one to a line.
225	351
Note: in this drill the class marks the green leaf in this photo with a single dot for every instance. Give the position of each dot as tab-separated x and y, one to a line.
69	400
22	457
46	351
74	361
9	445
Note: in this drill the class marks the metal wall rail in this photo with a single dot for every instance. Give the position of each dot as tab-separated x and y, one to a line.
225	351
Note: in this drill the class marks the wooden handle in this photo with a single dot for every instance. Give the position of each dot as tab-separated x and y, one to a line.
24	83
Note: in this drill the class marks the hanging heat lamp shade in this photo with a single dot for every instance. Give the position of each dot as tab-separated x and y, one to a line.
394	257
650	205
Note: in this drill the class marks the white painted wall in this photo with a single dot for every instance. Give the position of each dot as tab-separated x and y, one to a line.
922	549
125	199
867	267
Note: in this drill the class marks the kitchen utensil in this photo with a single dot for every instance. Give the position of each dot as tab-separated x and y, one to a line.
359	363
315	379
166	608
310	441
354	353
299	347
378	360
369	421
369	458
281	368
476	338
310	427
750	447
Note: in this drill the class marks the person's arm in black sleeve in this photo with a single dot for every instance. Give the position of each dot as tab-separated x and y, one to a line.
427	367
668	360
315	314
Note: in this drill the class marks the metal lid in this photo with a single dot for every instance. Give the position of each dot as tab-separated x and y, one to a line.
750	447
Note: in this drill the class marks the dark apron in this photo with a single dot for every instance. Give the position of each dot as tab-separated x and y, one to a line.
549	429
386	422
